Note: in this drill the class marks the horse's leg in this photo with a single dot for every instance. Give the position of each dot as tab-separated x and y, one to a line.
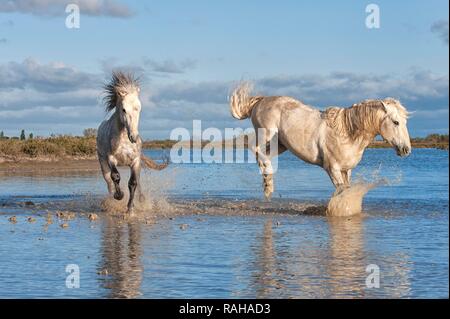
337	179
133	184
264	165
106	171
268	178
141	193
264	160
347	176
139	186
116	179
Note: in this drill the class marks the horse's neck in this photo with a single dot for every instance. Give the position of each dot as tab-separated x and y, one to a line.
364	131
367	139
359	142
116	123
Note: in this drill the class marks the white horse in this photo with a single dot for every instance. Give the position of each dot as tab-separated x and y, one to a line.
334	139
118	140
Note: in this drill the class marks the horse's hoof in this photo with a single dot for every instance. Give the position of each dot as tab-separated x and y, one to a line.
268	195
118	195
268	191
131	212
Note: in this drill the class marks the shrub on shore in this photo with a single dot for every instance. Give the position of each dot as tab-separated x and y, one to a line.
61	146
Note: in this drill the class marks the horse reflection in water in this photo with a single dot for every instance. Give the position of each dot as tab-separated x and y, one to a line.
335	269
267	279
121	259
349	257
346	263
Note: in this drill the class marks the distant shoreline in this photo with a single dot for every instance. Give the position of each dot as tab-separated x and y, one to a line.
436	145
375	144
84	148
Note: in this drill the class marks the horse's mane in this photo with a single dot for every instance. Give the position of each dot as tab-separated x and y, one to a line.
363	118
120	83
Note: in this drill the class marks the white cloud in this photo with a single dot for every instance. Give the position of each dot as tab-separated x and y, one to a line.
52	77
110	8
69	100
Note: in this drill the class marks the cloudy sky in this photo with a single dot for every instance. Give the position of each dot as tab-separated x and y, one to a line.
190	53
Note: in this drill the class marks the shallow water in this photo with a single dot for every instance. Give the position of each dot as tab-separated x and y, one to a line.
215	236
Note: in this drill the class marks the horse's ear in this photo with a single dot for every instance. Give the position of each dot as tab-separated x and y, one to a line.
138	89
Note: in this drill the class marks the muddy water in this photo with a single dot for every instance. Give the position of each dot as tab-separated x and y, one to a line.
206	232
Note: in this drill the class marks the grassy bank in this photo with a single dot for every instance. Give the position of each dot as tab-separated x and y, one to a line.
49	148
61	147
438	141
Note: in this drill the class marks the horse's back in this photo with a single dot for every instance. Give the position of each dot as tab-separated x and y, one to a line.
268	113
299	126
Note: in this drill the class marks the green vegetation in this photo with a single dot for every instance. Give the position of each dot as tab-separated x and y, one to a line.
439	141
58	147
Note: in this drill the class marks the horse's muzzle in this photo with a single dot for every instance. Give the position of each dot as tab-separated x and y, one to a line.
132	138
403	151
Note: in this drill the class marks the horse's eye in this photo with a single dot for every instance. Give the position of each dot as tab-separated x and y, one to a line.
396	123
124	111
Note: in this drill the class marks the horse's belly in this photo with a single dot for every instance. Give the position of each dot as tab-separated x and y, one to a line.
300	133
309	155
308	152
123	160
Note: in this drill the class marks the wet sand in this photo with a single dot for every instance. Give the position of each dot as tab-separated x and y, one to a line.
49	167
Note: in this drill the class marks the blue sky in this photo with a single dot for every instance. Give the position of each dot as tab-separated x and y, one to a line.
191	52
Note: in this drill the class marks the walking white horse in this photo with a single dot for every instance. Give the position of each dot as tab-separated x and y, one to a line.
118	140
334	139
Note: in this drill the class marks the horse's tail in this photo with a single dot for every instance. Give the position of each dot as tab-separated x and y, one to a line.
241	103
149	163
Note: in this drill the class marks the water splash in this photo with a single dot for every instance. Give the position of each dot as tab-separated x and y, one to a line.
348	202
154	202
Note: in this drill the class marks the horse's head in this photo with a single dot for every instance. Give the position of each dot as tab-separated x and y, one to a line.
129	108
122	94
393	126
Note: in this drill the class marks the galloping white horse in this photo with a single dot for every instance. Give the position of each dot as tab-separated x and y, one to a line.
334	139
118	140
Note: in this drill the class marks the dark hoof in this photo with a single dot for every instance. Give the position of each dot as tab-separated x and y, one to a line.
118	195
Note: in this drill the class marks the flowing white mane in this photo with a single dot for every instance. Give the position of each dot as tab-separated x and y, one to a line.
120	83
